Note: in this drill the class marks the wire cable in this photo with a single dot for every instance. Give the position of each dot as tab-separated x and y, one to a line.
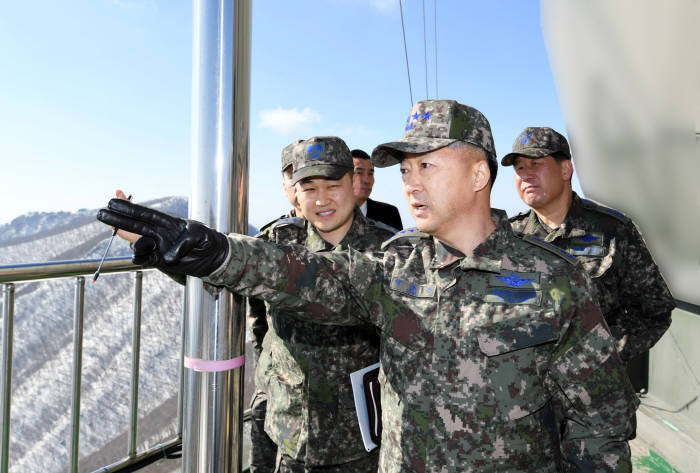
425	54
437	94
405	49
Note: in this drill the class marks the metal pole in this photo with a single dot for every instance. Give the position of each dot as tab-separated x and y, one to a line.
78	309
135	355
8	314
215	327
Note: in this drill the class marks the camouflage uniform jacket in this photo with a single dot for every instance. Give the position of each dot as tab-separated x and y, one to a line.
630	290
257	313
476	351
305	367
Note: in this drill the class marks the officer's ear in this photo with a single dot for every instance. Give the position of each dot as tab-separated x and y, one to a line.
481	174
567	169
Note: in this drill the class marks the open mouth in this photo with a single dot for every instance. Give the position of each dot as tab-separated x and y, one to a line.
419	208
325	213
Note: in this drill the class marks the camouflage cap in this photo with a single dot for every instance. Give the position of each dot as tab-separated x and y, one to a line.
434	124
537	142
321	156
288	155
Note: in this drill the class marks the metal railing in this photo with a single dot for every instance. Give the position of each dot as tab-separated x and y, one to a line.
9	275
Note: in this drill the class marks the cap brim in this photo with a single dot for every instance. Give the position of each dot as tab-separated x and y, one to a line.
388	154
509	158
329	171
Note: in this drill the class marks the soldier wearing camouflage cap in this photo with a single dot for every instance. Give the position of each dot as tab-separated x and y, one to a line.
263	451
631	292
304	367
486	338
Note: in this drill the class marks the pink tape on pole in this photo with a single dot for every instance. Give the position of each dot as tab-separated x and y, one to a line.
198	364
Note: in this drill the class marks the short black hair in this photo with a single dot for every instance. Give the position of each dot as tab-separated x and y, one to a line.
559	156
358	153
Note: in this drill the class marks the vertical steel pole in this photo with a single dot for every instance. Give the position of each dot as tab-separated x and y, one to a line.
8	314
135	357
215	327
78	310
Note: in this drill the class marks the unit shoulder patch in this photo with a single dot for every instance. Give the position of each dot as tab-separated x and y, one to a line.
520	216
408	233
289	221
592	205
548	246
382	226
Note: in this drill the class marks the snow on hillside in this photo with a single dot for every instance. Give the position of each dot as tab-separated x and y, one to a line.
43	344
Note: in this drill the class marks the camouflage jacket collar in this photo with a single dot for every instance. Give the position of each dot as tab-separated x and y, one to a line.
487	256
352	238
572	226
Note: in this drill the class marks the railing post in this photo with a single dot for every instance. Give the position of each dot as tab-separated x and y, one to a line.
135	357
78	309
181	392
7	320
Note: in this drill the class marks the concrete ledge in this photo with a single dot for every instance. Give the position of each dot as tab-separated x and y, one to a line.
666	442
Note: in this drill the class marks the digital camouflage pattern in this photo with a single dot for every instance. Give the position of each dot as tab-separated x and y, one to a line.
288	154
479	353
263	451
631	292
368	464
305	367
321	156
537	142
433	124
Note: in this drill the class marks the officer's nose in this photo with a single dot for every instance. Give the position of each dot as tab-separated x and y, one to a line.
524	173
321	199
412	183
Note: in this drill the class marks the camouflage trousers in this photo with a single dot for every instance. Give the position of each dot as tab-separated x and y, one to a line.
367	464
263	451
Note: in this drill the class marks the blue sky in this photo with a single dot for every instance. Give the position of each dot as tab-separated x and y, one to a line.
95	95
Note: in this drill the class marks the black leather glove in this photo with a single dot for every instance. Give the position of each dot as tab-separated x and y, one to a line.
145	252
169	243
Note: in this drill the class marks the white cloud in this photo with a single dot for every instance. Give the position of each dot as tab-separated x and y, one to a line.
287	120
135	4
383	5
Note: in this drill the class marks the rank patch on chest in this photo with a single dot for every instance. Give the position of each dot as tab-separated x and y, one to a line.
591	244
515	279
415	290
513	296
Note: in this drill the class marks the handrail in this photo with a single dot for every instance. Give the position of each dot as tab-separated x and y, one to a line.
61	269
11	274
32	272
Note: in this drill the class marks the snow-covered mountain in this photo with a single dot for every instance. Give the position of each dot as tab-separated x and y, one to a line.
43	346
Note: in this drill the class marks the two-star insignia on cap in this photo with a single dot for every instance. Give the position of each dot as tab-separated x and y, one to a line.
415	117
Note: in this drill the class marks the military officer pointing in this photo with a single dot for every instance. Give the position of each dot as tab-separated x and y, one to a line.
486	338
631	292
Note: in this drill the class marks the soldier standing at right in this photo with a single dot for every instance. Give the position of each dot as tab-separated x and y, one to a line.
631	292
